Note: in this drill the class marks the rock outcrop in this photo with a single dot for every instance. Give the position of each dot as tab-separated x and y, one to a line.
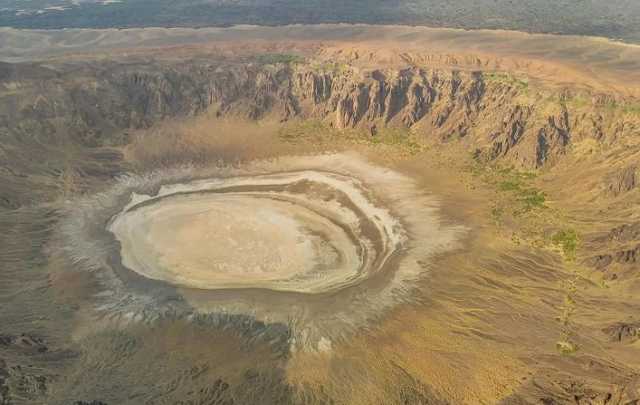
24	343
623	181
620	246
623	332
623	233
4	386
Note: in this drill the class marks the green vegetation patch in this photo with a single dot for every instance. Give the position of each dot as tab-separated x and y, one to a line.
397	138
582	101
567	240
505	78
303	129
566	347
329	67
631	108
628	108
516	183
577	102
532	199
279	58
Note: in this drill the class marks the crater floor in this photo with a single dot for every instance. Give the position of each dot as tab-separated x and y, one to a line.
302	231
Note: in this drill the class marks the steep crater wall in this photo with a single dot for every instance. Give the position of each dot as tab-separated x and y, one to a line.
46	108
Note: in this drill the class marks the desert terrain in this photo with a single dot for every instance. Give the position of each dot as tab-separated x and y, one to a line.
326	214
614	19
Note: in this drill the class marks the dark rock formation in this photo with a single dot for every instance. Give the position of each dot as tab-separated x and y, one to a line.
4	387
623	332
630	256
600	262
621	245
623	233
510	131
24	342
623	181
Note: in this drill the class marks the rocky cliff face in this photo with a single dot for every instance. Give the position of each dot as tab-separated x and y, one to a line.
44	109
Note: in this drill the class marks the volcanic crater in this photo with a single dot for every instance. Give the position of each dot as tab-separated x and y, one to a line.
303	215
